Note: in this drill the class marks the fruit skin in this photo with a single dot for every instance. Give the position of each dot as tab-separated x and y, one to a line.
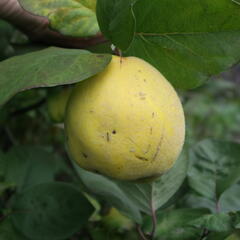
114	220
56	104
126	122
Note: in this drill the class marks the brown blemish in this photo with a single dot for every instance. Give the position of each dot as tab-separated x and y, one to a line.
141	158
151	130
153	114
108	137
144	80
114	132
158	146
84	154
148	148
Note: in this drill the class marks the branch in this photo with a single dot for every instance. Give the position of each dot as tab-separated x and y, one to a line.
37	27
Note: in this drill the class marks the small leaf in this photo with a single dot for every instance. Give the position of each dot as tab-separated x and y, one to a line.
70	17
50	211
46	68
117	22
219	222
214	167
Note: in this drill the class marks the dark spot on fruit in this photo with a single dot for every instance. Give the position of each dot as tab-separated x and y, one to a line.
84	154
108	138
139	70
114	132
151	130
141	158
144	80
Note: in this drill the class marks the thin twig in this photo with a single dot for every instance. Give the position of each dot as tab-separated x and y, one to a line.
154	221
141	233
204	234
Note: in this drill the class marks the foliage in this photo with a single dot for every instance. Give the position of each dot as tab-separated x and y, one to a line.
43	195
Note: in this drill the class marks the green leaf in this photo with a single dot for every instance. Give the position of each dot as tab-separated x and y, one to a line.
46	68
174	224
229	200
70	17
110	192
8	232
117	15
160	191
6	32
29	165
219	222
234	236
214	167
192	200
188	41
132	198
50	211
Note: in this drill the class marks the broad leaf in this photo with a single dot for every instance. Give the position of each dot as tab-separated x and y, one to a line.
8	231
50	211
69	17
219	222
214	167
156	194
110	192
28	165
46	68
174	224
188	41
116	20
132	198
